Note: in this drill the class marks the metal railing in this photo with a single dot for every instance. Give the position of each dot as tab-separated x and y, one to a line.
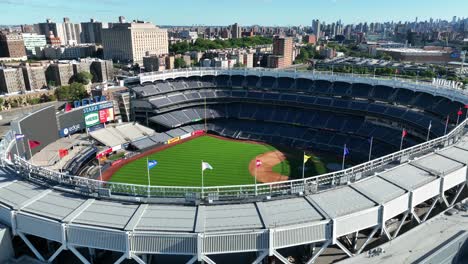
292	187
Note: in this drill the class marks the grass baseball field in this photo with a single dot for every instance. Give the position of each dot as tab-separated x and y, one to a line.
180	165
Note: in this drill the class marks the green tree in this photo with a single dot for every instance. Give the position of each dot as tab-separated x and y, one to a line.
73	92
82	77
179	63
206	44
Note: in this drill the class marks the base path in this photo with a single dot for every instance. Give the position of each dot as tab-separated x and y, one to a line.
265	172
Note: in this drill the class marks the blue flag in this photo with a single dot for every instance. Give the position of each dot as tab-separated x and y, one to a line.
345	151
152	164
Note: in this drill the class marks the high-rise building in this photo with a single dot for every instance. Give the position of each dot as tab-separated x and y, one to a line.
316	28
50	26
31	41
12	45
283	47
130	42
72	32
59	74
11	80
68	32
91	32
310	39
102	70
236	31
34	77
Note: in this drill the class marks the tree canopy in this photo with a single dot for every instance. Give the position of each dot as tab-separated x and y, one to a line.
179	63
73	92
206	44
82	77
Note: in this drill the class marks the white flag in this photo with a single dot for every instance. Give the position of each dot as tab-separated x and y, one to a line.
430	125
206	165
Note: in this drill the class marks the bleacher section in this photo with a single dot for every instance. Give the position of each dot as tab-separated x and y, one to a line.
333	111
311	118
435	105
117	135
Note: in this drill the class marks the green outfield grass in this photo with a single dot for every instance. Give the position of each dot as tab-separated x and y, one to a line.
180	165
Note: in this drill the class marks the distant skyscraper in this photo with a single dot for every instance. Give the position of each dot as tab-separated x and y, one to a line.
67	32
49	26
282	51
132	41
72	32
91	32
316	28
236	31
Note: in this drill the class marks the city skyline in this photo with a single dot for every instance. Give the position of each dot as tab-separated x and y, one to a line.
257	12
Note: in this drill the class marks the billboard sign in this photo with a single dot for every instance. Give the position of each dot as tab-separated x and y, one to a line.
70	130
97	107
91	119
106	115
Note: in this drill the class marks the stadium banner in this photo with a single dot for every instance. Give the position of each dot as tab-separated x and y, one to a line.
97	107
106	115
173	140
198	132
91	119
70	130
186	136
103	153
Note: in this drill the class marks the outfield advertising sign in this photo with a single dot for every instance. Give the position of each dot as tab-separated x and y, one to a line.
106	115
91	119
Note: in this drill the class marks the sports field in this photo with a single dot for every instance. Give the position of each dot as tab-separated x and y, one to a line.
180	165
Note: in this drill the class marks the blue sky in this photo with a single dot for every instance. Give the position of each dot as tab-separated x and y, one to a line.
224	12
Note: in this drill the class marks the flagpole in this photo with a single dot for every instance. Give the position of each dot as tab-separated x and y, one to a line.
401	143
342	165
100	169
458	117
429	130
148	170
30	153
255	177
202	181
16	144
446	125
303	165
24	148
370	148
206	130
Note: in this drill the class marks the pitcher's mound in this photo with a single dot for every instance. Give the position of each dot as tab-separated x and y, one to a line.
265	172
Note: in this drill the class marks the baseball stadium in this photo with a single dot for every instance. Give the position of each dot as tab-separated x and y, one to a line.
241	166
